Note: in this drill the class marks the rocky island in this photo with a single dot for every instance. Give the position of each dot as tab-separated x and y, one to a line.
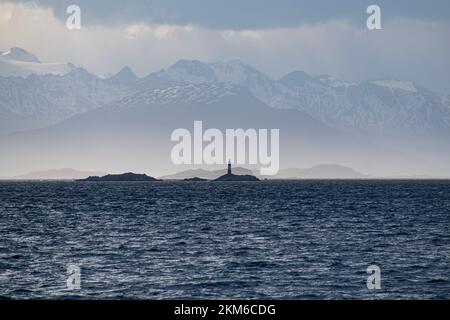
119	177
229	176
195	179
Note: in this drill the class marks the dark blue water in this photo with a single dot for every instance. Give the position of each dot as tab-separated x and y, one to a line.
159	240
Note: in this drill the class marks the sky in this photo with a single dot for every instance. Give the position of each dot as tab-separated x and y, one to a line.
277	37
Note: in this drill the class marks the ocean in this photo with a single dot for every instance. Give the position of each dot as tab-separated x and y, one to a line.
311	239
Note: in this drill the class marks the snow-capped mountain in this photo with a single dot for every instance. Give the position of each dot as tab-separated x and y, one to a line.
35	94
125	77
373	107
384	107
232	72
41	100
18	62
18	54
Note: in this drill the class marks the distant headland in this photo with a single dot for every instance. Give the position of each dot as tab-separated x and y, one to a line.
119	177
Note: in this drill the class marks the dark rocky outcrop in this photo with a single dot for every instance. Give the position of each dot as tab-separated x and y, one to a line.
235	177
195	179
120	177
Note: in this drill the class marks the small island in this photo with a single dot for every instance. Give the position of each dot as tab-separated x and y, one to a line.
234	177
195	179
119	177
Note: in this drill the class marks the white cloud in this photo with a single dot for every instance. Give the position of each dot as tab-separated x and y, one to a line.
244	34
141	30
136	30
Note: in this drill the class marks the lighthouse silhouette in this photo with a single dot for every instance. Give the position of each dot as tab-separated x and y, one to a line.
229	167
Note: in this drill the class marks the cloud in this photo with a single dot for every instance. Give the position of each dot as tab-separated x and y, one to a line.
245	34
158	32
406	48
248	14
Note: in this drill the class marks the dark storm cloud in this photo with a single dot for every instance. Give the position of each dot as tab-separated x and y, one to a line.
245	14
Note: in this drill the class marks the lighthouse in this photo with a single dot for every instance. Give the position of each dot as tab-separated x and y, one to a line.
235	177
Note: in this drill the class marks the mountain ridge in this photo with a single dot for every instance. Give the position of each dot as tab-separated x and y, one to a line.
374	108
